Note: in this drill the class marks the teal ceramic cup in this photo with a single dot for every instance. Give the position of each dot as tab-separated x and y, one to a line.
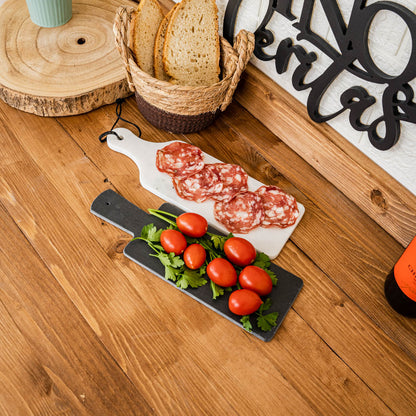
49	13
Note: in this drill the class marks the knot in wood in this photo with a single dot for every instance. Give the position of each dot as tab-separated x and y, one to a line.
269	96
117	248
378	199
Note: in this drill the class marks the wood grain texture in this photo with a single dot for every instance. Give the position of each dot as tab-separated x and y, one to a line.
312	356
70	69
152	350
361	180
42	335
369	250
85	331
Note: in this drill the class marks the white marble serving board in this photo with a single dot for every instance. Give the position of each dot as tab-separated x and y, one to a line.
267	240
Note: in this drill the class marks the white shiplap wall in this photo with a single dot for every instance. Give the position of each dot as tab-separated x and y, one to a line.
390	46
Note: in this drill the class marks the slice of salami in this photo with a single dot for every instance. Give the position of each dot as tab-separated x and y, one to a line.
179	159
234	179
280	208
199	186
241	214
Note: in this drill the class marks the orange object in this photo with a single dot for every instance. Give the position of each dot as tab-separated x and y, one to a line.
405	271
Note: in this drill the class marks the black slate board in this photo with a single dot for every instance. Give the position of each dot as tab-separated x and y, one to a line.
116	210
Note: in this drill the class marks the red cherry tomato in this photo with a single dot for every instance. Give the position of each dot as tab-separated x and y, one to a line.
239	251
191	224
222	272
244	302
194	256
173	241
256	279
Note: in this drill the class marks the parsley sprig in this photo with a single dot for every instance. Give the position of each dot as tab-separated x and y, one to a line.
264	322
175	268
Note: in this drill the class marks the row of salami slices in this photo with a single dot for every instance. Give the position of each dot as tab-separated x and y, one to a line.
237	208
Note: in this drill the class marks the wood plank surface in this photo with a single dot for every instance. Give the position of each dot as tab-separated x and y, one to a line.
360	179
43	335
147	348
370	251
85	331
328	343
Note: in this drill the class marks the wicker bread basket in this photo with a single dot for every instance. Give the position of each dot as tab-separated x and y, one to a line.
177	108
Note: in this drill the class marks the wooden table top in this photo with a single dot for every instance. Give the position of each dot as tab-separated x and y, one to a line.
85	331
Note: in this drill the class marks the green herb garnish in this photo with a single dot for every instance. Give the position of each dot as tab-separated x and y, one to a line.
266	322
176	270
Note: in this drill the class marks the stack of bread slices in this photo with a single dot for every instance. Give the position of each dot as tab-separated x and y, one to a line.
182	47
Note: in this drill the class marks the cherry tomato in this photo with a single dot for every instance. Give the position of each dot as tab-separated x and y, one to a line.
222	272
256	279
194	256
173	241
244	302
239	251
191	224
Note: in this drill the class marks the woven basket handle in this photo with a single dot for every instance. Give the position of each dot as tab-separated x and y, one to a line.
244	46
122	21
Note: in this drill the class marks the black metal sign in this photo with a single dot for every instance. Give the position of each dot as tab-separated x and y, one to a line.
352	48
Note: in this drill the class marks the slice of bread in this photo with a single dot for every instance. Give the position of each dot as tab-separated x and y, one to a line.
191	52
159	43
144	26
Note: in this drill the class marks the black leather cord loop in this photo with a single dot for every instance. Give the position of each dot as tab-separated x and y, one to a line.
103	137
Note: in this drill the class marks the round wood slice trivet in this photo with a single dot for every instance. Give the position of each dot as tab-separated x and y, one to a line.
67	70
